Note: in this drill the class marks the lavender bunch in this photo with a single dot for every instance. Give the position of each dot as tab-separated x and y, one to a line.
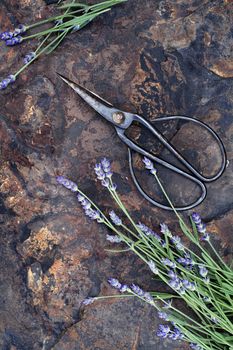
200	278
75	16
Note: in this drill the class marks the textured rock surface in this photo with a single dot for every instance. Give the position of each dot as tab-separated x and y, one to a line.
151	57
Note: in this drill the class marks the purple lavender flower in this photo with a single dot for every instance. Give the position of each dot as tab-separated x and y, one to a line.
175	283
148	231
6	35
75	28
70	185
99	171
14	41
168	262
148	297
20	30
163	315
186	261
205	237
176	334
114	283
196	218
172	274
5	82
203	271
105	182
153	267
113	239
88	301
189	285
104	174
165	230
115	218
91	213
163	331
123	288
137	290
176	240
29	57
201	227
149	165
195	346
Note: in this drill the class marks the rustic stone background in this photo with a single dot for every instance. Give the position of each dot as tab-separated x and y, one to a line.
152	57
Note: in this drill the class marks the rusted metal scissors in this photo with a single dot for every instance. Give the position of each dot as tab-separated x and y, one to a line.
123	120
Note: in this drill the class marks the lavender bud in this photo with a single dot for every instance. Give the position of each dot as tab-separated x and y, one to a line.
6	35
113	239
176	334
148	297
75	28
137	290
195	346
123	288
14	41
88	301
29	57
196	218
22	28
106	165
153	267
114	283
165	230
203	271
149	165
105	182
176	240
70	185
205	237
163	315
167	262
163	331
115	218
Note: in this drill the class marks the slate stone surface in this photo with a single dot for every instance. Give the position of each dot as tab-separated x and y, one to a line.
150	57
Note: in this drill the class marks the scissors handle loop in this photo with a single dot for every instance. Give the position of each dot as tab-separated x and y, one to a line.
195	176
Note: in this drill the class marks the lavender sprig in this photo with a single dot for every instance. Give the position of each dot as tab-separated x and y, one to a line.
149	165
115	218
104	173
5	82
201	227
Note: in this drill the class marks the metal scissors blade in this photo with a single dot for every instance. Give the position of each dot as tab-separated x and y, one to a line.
104	108
122	120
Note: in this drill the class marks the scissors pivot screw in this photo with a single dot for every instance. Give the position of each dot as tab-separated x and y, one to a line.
118	117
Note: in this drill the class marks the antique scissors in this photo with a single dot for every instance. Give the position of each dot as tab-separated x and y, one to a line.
123	120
